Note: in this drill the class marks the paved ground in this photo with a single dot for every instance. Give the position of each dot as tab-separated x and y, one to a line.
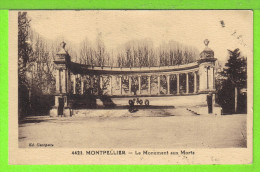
154	128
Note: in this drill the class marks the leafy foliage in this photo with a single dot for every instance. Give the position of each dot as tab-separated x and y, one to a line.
236	69
35	67
24	52
24	48
234	75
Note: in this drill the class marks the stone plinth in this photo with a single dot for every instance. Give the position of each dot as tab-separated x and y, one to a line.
54	112
67	112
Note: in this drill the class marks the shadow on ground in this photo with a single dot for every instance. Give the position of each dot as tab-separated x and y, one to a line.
33	120
127	107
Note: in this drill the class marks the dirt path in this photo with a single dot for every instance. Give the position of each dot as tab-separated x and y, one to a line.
144	129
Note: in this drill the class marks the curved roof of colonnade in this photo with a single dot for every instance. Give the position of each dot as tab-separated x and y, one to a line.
207	55
77	68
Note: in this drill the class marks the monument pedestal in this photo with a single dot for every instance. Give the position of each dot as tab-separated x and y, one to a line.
67	112
63	85
60	107
54	112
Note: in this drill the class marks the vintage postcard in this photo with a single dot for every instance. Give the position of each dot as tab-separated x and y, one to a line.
130	87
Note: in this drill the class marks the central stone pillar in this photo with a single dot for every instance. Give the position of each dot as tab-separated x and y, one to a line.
178	83
168	84
139	84
159	84
187	83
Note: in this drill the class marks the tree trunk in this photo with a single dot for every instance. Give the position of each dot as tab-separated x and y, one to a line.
235	99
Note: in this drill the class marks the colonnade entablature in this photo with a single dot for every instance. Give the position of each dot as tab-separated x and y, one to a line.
78	79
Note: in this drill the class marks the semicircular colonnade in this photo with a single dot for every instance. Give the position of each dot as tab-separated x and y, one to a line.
74	79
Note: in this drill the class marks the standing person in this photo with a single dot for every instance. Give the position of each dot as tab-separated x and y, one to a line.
209	102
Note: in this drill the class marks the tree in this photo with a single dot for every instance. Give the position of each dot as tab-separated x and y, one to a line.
35	68
100	51
24	48
234	77
40	66
24	53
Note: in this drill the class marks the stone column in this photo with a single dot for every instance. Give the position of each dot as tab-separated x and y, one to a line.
130	84
61	62
168	84
82	85
68	82
213	100
195	82
211	80
74	84
206	65
187	83
149	84
178	83
202	82
111	87
139	84
91	78
63	82
159	83
57	81
208	78
213	71
120	84
101	82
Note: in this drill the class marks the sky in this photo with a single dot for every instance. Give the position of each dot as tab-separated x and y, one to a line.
188	27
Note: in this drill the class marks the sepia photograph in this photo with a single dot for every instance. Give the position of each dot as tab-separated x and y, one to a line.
132	83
